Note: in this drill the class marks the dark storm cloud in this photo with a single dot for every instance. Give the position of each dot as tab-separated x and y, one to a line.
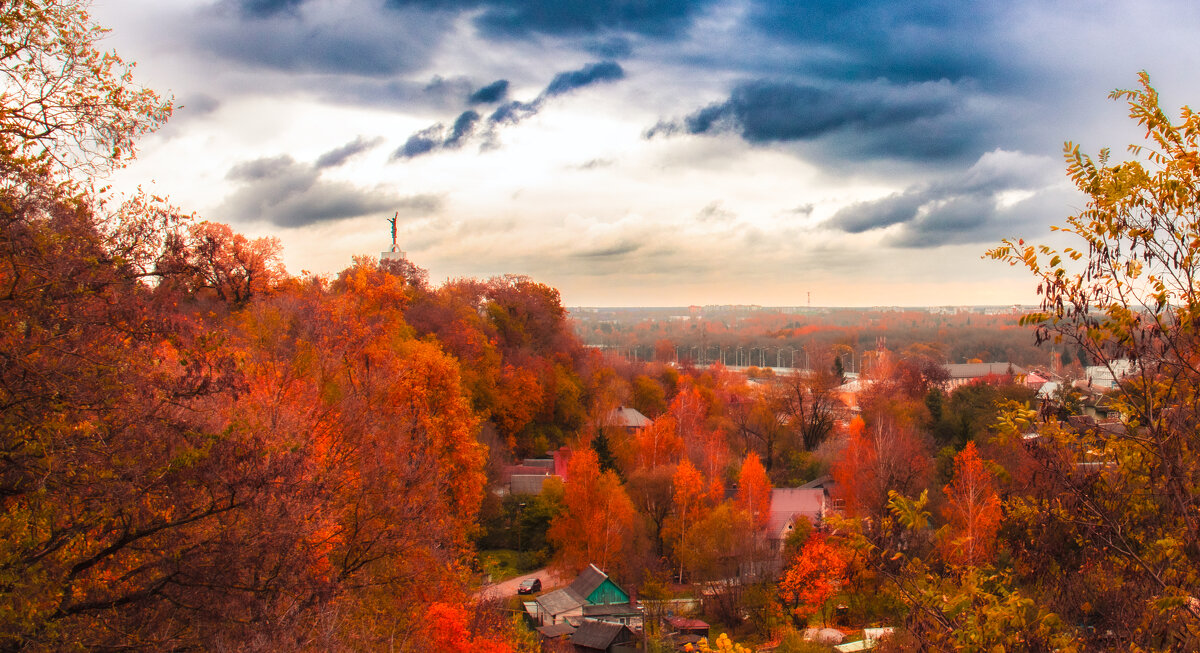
924	121
520	18
613	47
471	125
963	208
422	142
463	128
511	113
493	92
604	71
877	214
978	220
340	155
900	41
438	95
352	38
286	193
261	8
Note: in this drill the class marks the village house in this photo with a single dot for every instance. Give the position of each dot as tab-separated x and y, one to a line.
1106	377
961	374
528	476
592	596
627	418
811	501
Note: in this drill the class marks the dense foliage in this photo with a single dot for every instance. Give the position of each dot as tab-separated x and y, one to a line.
201	451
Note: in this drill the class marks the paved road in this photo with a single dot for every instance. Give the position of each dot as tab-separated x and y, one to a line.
509	587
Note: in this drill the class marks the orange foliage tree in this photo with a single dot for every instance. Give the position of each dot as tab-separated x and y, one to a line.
812	577
879	457
754	491
211	257
706	446
447	630
657	444
692	503
596	524
972	509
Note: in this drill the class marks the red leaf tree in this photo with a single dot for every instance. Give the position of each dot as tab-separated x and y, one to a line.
754	491
596	526
812	578
973	510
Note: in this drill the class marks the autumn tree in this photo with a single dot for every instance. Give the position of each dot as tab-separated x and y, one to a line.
808	401
757	416
972	510
705	445
658	444
648	396
65	101
713	550
1126	290
652	492
693	501
812	577
447	628
210	257
880	457
596	524
754	491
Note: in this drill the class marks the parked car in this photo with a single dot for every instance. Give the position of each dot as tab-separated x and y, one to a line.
530	586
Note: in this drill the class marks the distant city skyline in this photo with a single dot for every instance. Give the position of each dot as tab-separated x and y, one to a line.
686	152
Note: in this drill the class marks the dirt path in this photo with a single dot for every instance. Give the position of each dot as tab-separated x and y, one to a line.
509	587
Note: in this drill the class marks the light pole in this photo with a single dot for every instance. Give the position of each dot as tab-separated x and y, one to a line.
520	549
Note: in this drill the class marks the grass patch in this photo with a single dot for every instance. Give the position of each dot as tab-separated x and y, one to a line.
503	564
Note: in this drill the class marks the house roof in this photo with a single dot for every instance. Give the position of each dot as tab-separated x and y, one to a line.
576	594
560	601
683	623
819	482
1048	388
979	370
628	417
610	609
587	581
786	503
526	483
600	635
557	630
524	470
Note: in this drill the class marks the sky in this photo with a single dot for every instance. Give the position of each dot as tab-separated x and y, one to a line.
650	152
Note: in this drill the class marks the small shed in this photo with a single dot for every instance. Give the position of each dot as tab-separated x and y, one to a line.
593	636
686	626
563	630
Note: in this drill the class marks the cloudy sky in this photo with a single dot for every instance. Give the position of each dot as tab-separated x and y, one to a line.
650	152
